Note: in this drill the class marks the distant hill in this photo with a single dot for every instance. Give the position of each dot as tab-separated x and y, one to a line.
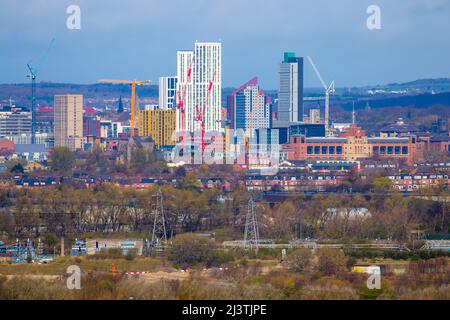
94	94
438	84
418	93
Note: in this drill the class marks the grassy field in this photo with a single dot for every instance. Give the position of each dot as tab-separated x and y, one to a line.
60	265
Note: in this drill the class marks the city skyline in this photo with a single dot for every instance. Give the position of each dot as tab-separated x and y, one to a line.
320	30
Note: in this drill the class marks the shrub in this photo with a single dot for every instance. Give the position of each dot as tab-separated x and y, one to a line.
130	255
299	260
331	261
189	249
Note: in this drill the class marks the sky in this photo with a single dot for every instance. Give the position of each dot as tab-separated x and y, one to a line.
138	39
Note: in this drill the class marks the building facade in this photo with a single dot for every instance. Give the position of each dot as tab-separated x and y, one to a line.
206	65
15	123
159	124
249	107
68	130
352	145
314	115
167	92
290	94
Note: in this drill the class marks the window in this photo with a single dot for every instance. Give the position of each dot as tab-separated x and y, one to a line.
339	150
324	150
376	149
332	150
383	150
309	150
390	150
397	150
316	150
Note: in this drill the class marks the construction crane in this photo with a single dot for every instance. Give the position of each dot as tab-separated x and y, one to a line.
328	90
182	98
133	84
201	113
33	75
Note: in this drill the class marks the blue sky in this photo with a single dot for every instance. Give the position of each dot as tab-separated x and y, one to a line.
139	39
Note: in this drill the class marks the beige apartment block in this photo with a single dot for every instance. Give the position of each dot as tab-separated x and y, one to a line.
68	130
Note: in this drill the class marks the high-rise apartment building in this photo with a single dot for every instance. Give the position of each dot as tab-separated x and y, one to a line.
249	107
206	63
68	120
159	124
290	94
167	92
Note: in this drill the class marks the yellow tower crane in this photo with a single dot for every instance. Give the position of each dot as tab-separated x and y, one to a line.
133	84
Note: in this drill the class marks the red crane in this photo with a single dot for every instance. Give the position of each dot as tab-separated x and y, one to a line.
201	115
182	98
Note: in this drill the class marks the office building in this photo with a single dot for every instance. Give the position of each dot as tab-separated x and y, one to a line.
68	130
44	120
354	144
290	94
206	62
167	92
15	122
159	124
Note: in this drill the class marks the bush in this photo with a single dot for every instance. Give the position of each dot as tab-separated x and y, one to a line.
299	260
130	255
189	249
331	261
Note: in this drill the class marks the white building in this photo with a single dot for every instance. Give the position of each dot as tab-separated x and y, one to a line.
314	115
167	92
206	60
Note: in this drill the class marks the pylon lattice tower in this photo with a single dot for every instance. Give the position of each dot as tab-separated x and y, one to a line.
159	234
251	233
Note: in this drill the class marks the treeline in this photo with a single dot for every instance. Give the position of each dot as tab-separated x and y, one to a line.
64	211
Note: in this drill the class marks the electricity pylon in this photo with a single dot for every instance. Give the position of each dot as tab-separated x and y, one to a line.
251	233
159	235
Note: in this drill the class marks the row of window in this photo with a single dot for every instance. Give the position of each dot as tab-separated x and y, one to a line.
324	150
390	150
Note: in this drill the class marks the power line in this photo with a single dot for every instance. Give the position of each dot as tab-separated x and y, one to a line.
251	233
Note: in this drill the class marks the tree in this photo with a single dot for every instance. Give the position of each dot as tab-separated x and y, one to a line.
382	184
190	181
16	165
17	168
299	260
331	261
62	159
141	160
189	249
180	172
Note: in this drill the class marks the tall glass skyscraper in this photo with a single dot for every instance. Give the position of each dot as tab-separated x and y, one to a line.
290	94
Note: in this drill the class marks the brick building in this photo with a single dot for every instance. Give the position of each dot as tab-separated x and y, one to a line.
351	145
